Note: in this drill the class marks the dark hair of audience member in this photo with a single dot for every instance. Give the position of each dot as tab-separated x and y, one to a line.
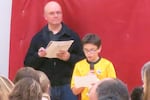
113	88
109	97
136	93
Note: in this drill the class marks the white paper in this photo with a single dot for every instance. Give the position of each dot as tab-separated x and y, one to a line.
85	81
55	46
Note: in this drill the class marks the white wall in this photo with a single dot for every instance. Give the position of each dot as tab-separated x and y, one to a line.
5	17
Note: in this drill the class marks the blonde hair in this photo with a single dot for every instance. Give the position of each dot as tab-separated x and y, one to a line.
5	87
26	72
44	81
45	84
146	95
26	89
146	65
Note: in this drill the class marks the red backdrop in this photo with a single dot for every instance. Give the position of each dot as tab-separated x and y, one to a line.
123	26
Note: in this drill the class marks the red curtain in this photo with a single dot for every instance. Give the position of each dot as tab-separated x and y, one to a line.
123	26
27	19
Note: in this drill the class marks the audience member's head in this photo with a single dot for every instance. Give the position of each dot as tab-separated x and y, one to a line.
26	89
109	97
146	81
110	89
26	72
45	84
136	93
146	65
5	88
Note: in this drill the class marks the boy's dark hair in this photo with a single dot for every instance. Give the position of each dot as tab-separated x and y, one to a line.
91	38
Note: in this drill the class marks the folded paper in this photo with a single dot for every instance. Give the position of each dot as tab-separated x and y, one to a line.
55	46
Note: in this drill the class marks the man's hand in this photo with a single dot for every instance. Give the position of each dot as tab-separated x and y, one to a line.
63	55
41	52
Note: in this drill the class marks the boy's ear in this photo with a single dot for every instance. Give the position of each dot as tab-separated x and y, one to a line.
100	48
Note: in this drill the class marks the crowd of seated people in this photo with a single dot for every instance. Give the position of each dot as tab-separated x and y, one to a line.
30	84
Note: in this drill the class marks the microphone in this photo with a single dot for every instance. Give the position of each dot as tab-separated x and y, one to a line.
91	67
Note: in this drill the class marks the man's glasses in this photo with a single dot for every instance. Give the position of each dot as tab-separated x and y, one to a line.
55	13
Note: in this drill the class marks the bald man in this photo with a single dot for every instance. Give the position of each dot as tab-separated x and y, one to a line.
109	89
59	69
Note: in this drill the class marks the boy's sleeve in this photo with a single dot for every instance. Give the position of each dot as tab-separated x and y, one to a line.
75	73
111	71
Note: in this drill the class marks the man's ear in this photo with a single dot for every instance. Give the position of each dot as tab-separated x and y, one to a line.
99	49
45	17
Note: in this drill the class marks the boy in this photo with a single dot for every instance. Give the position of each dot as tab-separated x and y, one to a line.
93	65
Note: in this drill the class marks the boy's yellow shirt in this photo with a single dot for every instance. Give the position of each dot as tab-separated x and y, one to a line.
103	69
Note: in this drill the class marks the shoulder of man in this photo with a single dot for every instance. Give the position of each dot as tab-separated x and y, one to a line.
68	29
40	33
